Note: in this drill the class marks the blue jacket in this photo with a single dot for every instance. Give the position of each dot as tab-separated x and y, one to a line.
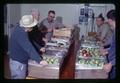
112	50
20	47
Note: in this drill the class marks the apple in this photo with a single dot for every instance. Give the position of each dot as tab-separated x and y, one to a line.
88	54
84	55
84	52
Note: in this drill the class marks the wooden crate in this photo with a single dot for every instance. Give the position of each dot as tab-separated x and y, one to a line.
92	33
65	32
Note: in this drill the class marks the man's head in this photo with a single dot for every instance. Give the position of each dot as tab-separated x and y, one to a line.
36	14
51	15
28	22
43	29
111	18
100	20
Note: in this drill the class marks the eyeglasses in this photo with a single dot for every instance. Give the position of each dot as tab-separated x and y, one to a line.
52	16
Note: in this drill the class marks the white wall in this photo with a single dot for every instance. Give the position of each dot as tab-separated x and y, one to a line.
69	12
13	17
97	8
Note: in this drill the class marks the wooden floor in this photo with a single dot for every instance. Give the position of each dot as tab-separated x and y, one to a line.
6	67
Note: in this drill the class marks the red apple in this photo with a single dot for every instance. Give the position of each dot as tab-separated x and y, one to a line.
84	55
84	51
88	54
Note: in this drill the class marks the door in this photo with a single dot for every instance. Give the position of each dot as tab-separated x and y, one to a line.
12	13
13	17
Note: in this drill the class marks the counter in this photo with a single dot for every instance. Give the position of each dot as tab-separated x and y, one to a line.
65	69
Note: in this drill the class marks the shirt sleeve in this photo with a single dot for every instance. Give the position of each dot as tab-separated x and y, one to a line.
112	50
112	57
28	47
113	62
105	28
37	45
43	23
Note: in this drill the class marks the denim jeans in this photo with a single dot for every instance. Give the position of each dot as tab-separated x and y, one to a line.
18	70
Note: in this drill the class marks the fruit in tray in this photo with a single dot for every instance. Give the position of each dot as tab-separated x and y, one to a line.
51	60
91	62
94	52
86	53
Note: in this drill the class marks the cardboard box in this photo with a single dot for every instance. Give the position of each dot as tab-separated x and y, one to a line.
92	34
64	32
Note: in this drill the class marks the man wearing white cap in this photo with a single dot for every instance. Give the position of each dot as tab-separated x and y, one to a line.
21	48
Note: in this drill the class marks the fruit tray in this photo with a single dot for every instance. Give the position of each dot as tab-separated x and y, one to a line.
89	56
89	52
53	60
50	47
90	62
58	42
90	45
56	52
50	71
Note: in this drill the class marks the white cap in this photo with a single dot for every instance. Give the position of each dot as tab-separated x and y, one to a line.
28	21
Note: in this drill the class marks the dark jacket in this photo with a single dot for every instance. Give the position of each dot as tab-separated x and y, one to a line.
21	48
36	38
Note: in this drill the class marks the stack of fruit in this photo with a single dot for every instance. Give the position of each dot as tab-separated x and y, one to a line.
90	52
52	59
90	56
91	62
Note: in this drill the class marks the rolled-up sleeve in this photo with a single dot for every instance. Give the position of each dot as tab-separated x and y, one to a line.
105	28
37	45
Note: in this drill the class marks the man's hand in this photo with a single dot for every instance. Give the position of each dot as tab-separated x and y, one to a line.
42	49
100	43
45	40
107	67
50	30
43	62
103	51
97	37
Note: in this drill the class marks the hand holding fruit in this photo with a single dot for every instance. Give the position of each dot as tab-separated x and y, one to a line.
50	30
107	67
43	62
85	53
103	51
42	49
45	40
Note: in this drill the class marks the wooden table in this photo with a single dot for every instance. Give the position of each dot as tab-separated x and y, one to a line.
67	69
91	74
